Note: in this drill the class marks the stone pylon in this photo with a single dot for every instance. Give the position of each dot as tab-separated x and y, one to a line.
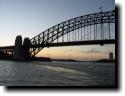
26	48
21	51
18	50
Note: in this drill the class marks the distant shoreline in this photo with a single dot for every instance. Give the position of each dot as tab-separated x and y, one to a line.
47	59
72	60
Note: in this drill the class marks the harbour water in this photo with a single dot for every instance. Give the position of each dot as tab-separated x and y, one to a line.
56	73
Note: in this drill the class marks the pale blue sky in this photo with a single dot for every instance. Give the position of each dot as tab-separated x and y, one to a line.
30	17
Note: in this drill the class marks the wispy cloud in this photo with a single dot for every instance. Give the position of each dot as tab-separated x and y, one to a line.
93	51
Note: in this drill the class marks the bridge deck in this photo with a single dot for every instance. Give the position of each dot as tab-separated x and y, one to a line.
92	42
7	47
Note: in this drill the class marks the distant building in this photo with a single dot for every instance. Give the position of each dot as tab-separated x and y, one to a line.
111	56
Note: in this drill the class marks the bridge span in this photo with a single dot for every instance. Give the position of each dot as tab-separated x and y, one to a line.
91	29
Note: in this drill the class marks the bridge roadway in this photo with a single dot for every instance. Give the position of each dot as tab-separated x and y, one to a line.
7	47
90	42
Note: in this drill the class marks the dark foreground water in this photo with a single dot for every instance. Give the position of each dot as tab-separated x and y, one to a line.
56	74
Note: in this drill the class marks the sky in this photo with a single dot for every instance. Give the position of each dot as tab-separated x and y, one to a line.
31	17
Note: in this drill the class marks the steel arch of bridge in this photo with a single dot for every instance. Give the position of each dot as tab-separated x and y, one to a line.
50	35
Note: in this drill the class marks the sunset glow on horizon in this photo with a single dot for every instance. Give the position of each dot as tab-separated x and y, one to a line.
83	53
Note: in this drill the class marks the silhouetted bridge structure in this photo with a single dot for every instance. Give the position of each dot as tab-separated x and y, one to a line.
96	28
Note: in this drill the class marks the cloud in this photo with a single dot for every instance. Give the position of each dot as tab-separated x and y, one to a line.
70	50
93	51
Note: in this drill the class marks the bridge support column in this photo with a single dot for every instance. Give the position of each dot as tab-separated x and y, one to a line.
18	50
21	51
26	49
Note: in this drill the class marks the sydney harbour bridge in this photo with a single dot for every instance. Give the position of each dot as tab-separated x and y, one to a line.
91	29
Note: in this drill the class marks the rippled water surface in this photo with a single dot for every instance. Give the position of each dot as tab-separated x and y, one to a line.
56	73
